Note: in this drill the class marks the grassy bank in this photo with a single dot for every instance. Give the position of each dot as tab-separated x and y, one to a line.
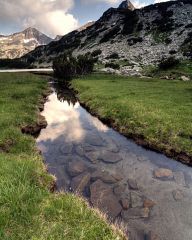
157	113
28	210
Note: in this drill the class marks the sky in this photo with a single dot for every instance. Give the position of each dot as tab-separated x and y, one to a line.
54	17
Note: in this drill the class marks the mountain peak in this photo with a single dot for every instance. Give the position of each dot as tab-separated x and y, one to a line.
33	33
30	29
126	5
20	43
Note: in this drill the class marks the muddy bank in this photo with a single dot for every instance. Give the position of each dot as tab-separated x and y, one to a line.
35	128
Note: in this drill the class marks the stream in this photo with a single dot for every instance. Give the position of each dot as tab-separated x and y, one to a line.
150	193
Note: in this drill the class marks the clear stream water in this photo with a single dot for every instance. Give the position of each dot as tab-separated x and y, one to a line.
114	174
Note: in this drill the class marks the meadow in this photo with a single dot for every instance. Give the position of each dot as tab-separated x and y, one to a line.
28	209
157	113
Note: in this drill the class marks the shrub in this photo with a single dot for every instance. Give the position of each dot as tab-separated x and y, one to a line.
139	27
168	63
84	64
172	52
133	40
13	63
96	53
112	65
186	47
66	67
113	56
188	25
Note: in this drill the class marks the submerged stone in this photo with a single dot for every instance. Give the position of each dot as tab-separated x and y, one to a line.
66	148
178	195
79	183
92	156
135	213
132	184
119	189
105	176
179	178
163	174
76	167
153	236
136	200
79	150
94	139
110	157
103	198
125	203
148	203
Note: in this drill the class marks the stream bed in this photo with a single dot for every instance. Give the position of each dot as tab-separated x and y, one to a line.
150	193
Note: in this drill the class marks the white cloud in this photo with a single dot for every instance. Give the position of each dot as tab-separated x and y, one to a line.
136	3
110	2
49	16
158	1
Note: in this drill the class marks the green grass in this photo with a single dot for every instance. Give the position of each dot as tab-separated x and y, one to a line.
182	69
28	210
159	110
122	63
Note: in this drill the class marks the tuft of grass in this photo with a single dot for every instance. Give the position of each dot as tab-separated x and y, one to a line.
28	210
158	110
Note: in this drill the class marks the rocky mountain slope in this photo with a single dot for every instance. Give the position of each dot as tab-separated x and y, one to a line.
139	37
85	26
18	44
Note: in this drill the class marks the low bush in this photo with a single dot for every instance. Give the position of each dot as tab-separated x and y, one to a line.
64	67
172	52
188	25
96	53
139	27
186	47
169	62
13	63
112	65
133	40
85	64
67	67
113	56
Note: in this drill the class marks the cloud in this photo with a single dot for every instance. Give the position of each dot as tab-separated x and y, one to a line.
136	3
158	1
49	16
110	2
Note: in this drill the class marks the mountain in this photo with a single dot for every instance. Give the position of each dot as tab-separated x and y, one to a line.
140	37
58	37
87	25
18	44
126	5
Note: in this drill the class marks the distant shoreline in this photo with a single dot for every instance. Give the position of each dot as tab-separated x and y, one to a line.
26	70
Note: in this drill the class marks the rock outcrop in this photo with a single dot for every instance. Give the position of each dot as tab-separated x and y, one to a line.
140	37
127	5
